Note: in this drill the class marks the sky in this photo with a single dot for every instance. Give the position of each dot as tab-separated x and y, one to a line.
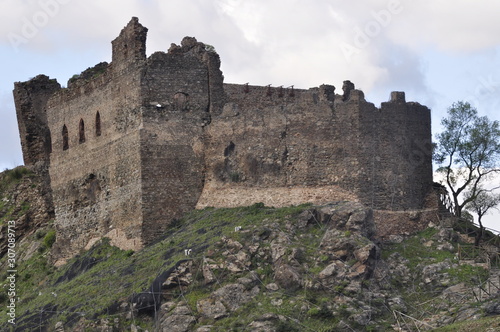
437	51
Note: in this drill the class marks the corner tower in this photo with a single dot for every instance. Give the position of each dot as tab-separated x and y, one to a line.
31	100
181	91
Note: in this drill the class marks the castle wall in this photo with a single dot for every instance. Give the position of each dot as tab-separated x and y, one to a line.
282	143
97	182
96	153
131	146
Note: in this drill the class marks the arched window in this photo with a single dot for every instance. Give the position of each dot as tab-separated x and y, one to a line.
65	138
98	124
82	132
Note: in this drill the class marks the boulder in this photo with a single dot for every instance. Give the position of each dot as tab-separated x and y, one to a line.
287	277
234	295
211	308
178	320
348	216
492	308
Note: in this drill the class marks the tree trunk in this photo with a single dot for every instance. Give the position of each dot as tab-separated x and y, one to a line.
479	235
457	207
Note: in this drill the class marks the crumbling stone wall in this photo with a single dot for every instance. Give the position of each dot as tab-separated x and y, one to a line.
132	145
279	138
31	107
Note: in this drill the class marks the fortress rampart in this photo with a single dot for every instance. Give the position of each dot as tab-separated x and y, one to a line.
130	146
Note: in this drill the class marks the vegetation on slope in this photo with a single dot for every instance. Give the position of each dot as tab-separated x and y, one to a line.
92	283
8	208
416	283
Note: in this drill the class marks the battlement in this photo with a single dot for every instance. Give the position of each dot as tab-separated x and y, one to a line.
130	146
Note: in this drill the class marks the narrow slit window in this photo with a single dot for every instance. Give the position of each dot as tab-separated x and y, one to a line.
65	138
82	131
48	142
98	124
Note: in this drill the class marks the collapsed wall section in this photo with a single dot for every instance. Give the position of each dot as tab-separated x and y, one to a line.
31	107
36	140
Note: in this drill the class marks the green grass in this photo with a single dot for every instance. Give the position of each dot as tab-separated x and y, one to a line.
416	252
468	274
483	324
118	274
8	179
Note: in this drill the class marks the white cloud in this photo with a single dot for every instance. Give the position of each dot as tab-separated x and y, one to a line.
10	149
455	26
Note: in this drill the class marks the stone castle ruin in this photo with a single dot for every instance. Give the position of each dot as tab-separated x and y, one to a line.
130	146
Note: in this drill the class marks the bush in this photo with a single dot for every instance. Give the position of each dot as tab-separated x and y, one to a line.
16	173
49	239
39	234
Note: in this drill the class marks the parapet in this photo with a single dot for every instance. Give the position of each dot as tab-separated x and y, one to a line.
398	97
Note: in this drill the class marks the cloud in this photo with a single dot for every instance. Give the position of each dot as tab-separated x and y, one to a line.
259	41
10	149
293	42
456	26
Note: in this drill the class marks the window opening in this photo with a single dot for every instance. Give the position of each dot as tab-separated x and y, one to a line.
65	138
82	131
98	124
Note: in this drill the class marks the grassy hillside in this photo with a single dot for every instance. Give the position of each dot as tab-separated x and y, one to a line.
301	268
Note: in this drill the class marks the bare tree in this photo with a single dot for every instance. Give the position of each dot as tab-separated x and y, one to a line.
468	151
481	204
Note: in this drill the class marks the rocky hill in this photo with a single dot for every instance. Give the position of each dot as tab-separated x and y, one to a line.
300	268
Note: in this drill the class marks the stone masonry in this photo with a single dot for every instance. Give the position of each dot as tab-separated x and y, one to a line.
130	146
